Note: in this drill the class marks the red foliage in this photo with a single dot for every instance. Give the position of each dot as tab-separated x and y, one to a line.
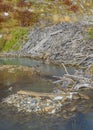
1	1
5	7
67	2
25	17
74	8
22	3
2	19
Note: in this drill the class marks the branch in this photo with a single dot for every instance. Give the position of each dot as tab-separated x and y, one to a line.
65	68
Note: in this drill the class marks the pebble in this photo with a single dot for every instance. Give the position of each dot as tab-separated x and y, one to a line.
30	104
54	105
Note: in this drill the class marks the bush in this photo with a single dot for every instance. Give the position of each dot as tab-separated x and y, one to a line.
17	36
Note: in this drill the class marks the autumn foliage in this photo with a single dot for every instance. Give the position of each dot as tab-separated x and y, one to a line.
25	18
22	3
5	7
1	19
67	2
72	7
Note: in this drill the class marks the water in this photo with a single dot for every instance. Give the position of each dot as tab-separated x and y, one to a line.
10	119
45	68
17	121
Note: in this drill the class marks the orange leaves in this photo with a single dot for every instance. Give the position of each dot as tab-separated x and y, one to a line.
25	18
72	7
1	19
5	7
1	1
67	2
22	3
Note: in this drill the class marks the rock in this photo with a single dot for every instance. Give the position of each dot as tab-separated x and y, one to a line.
58	98
48	109
70	95
6	14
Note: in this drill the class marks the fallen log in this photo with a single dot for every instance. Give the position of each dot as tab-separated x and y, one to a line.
36	94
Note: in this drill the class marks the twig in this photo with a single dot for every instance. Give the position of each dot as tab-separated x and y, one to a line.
65	68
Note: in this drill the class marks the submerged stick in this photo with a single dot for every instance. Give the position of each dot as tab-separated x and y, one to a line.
65	68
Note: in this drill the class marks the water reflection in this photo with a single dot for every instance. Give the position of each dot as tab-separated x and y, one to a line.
17	121
45	68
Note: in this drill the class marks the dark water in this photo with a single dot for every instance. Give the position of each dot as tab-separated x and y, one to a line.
10	119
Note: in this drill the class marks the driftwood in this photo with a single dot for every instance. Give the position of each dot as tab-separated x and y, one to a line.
36	94
78	86
76	78
60	78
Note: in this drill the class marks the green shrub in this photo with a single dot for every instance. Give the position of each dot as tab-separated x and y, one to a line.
17	37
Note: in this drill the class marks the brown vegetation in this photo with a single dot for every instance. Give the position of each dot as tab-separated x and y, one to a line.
67	2
5	7
74	8
22	3
25	18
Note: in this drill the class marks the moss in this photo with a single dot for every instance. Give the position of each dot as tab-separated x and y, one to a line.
17	37
90	33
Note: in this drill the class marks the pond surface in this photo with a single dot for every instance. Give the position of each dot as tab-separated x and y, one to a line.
10	119
49	69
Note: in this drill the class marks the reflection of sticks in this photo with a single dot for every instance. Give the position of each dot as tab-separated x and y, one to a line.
65	68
